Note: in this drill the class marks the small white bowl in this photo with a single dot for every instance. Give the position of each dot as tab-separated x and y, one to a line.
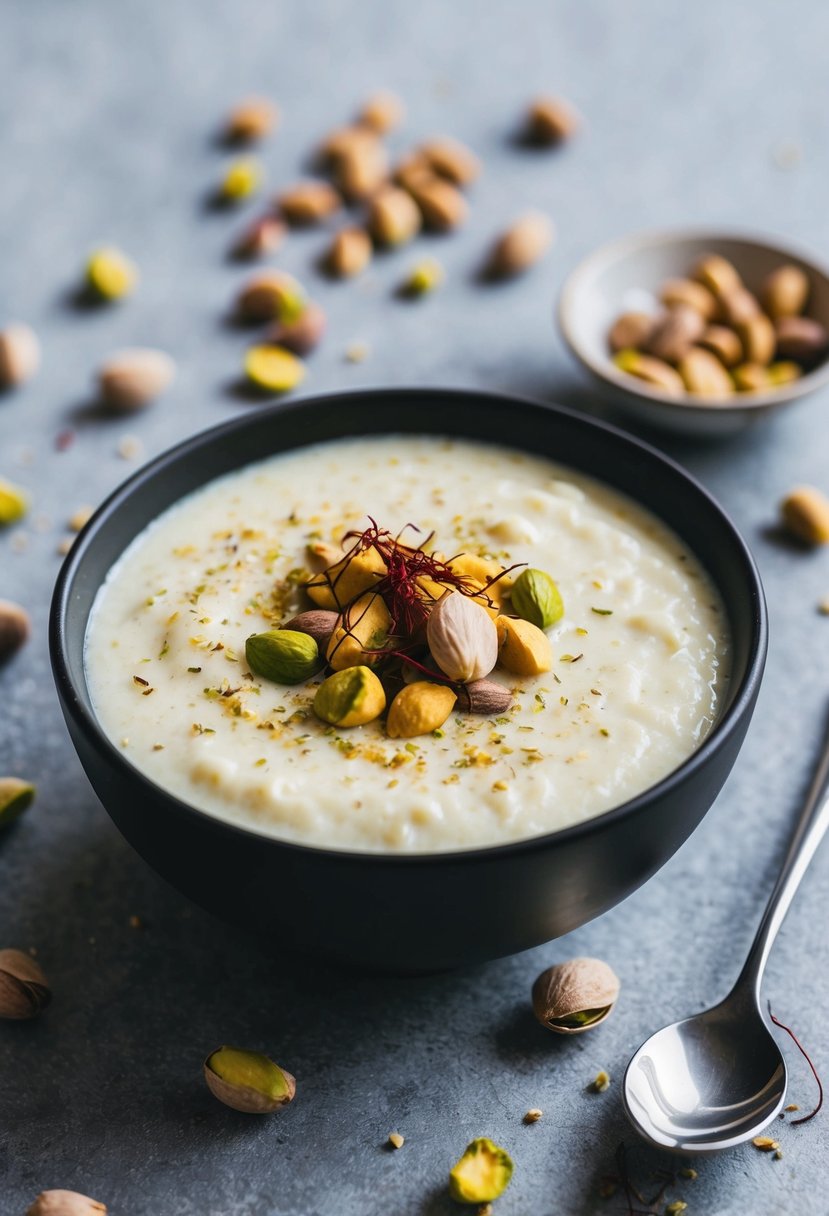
627	274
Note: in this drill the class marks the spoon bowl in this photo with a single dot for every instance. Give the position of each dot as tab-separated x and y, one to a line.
708	1082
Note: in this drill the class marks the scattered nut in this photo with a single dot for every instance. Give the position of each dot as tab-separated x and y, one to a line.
396	1140
419	708
263	236
131	379
412	169
766	1144
352	696
704	375
357	352
785	292
16	796
632	331
24	989
724	343
801	338
248	1081
522	245
533	1115
676	333
686	293
600	1083
15	626
551	120
441	204
393	217
382	112
362	168
65	1203
570	998
452	160
273	369
79	518
482	1174
14	503
309	203
805	513
270	296
285	656
302	335
19	355
110	274
242	179
350	252
250	120
423	278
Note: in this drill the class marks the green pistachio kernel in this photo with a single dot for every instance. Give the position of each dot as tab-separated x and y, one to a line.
13	503
482	1174
248	1081
110	274
15	797
537	599
282	655
350	697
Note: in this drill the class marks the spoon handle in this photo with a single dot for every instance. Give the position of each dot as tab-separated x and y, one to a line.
811	826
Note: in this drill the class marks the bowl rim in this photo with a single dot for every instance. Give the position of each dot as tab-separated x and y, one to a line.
96	737
647	238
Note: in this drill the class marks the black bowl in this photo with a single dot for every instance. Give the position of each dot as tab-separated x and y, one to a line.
425	911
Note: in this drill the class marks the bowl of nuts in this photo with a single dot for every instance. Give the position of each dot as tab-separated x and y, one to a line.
697	331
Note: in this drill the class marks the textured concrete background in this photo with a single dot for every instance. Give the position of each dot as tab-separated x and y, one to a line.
696	113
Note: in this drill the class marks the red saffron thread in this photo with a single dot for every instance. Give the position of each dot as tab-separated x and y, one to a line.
808	1059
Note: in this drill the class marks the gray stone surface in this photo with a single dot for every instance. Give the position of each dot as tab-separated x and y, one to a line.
700	112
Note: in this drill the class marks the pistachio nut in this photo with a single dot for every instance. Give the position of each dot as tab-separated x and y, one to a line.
676	333
704	375
724	343
65	1203
350	697
248	1081
783	372
535	597
350	253
423	277
441	204
251	119
24	989
362	167
362	632
273	369
688	294
19	355
14	628
14	503
259	238
420	708
631	331
242	179
393	216
785	292
317	623
382	112
801	338
482	1174
16	796
524	649
285	656
350	575
576	996
301	335
522	245
759	339
750	377
132	378
309	203
718	275
551	120
462	637
739	306
485	697
110	274
805	513
655	372
452	160
271	295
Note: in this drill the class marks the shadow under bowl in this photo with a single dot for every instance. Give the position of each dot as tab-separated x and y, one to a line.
404	912
626	275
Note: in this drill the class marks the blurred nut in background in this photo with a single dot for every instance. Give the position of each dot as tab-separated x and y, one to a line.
451	159
131	379
309	203
522	245
785	292
15	628
24	989
394	217
350	252
251	119
301	335
805	513
551	120
631	330
382	112
19	355
673	336
441	204
686	293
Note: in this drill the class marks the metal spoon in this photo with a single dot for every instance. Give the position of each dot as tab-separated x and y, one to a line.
717	1079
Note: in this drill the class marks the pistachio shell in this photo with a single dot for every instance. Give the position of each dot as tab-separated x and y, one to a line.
248	1081
419	708
285	656
482	1174
350	697
24	989
363	630
570	998
524	649
15	797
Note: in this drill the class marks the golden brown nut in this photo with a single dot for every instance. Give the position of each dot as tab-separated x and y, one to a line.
718	275
652	371
382	112
393	217
750	377
441	204
805	513
785	292
686	292
522	245
738	307
704	375
724	343
758	338
309	203
451	159
801	338
350	252
631	330
676	333
552	120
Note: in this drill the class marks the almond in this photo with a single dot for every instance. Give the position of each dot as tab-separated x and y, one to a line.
718	275
361	169
317	623
131	379
522	245
263	236
485	697
758	338
19	355
739	307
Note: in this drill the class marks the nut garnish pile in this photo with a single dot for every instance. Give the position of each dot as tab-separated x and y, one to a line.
404	629
715	338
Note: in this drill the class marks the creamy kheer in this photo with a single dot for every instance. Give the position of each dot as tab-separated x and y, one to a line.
640	656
